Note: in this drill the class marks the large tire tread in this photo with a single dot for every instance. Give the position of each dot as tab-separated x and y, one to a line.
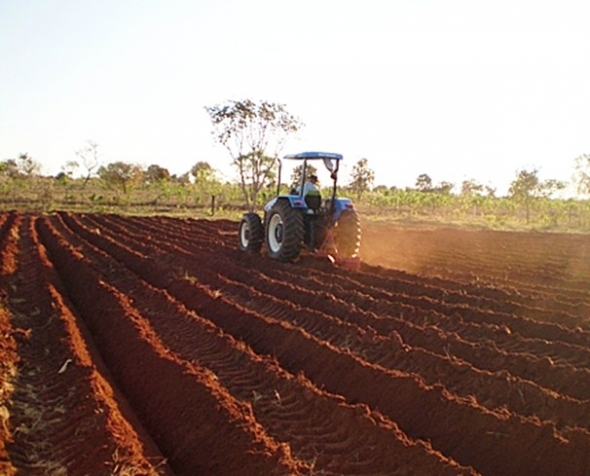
293	227
255	231
347	235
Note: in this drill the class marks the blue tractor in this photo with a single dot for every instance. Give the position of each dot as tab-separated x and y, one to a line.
303	220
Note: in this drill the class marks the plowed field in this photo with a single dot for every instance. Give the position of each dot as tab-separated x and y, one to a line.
153	345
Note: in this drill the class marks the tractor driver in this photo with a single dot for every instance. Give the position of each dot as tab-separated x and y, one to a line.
311	193
311	186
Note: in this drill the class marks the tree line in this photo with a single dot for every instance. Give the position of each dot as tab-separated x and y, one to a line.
253	133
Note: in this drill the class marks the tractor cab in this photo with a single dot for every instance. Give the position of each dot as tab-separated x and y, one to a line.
300	197
302	219
331	162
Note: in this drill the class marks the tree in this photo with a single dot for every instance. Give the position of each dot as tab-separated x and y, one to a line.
27	166
444	188
90	159
471	188
362	178
424	183
527	186
23	167
156	174
472	194
490	191
254	134
205	179
550	186
120	175
9	168
582	176
65	176
183	179
202	172
523	188
69	168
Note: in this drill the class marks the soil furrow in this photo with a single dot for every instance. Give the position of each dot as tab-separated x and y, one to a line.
474	439
186	437
564	379
50	427
134	339
357	446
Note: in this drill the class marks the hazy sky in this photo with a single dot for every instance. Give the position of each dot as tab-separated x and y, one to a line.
456	89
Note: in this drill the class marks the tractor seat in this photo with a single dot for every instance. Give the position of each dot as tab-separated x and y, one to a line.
313	202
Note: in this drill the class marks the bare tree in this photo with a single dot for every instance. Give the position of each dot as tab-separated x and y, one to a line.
27	166
582	175
90	159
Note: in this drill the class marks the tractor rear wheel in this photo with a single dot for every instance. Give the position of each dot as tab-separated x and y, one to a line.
347	235
284	231
251	233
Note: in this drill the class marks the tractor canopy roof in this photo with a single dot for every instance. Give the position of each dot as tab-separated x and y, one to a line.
314	156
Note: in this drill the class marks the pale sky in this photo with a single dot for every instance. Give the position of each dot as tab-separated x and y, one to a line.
457	89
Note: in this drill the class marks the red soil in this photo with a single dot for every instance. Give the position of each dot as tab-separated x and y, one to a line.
153	345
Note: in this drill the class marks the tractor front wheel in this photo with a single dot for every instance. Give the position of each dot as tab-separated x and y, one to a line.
251	233
284	232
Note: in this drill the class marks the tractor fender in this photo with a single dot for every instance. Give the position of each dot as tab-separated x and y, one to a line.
340	205
295	201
